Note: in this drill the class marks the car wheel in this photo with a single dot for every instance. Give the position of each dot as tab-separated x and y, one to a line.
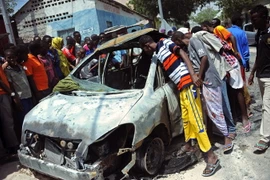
151	155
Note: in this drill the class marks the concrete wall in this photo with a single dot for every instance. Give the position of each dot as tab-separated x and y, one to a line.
50	17
62	17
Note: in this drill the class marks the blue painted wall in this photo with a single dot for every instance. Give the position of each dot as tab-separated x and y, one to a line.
91	21
86	22
116	19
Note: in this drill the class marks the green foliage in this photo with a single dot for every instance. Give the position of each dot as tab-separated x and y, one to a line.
173	10
231	6
205	14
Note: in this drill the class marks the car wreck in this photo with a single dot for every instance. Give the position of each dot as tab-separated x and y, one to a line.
107	120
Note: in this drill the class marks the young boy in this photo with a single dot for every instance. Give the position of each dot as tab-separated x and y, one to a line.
48	64
36	73
179	68
18	83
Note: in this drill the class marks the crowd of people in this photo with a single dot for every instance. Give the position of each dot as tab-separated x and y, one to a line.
211	61
206	63
28	73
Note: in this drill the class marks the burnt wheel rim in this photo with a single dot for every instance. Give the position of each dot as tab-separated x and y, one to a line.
154	156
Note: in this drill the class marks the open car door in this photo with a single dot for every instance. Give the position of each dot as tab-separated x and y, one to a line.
174	110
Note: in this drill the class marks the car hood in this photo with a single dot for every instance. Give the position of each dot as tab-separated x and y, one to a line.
80	117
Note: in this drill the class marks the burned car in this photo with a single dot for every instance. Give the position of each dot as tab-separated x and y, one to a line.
117	118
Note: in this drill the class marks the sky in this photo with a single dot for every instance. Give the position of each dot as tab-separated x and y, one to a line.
20	3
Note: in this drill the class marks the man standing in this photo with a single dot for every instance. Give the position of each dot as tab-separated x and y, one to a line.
241	39
243	48
36	73
179	68
19	85
221	32
230	53
54	56
7	125
68	51
259	15
78	38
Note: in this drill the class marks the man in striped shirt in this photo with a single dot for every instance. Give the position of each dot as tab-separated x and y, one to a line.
179	68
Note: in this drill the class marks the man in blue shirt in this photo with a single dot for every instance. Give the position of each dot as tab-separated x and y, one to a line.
241	39
243	49
119	58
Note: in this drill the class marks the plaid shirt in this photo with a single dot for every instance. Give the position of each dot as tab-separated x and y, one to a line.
228	53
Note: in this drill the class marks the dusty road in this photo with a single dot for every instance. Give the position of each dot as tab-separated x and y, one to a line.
241	164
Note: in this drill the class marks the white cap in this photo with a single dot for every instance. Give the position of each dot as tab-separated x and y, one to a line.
183	30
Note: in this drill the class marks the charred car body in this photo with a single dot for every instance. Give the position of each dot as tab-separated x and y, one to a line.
119	119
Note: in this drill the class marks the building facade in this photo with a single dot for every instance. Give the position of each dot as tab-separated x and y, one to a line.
63	17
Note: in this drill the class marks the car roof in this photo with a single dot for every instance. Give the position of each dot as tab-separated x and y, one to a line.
125	40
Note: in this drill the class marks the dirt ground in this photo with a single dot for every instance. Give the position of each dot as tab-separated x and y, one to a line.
241	164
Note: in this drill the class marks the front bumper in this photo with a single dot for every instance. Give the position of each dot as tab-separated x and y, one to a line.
55	170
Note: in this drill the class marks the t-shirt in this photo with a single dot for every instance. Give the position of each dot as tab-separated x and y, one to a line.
213	45
173	64
117	58
18	79
242	43
56	62
35	68
263	54
87	50
48	65
77	48
4	79
69	54
196	51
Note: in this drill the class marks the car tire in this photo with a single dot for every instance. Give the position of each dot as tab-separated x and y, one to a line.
151	155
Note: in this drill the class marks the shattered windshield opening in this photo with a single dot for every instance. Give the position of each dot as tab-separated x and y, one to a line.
116	70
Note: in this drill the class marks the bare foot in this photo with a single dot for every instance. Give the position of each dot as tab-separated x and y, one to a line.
185	149
211	157
227	140
246	126
245	122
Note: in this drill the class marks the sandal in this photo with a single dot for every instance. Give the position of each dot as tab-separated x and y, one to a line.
228	148
247	128
262	145
250	114
211	169
232	136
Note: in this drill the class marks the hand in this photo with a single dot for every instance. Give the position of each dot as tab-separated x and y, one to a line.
196	80
71	66
237	55
250	79
5	65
